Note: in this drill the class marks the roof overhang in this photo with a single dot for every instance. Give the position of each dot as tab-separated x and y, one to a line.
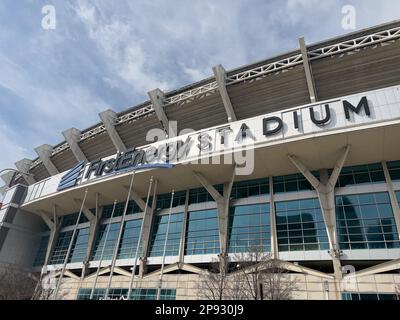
372	132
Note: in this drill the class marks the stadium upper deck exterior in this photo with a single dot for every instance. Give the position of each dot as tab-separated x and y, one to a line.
323	194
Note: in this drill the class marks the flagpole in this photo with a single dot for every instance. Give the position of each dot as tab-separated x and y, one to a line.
165	247
102	252
121	228
139	240
70	247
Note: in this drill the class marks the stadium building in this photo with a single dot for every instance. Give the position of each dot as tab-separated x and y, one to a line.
298	154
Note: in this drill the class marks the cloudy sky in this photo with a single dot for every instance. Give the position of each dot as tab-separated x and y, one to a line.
108	54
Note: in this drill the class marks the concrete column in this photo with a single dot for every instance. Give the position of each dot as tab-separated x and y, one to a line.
392	195
220	77
44	153
325	190
7	177
274	236
308	71
109	118
23	166
182	242
73	136
157	100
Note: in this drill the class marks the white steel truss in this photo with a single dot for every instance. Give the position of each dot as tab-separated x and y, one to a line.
257	72
60	148
131	116
264	69
93	132
200	92
355	44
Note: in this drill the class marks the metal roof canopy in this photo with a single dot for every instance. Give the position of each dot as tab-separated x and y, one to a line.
337	45
374	144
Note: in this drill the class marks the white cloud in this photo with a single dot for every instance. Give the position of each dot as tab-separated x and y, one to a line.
196	74
123	51
57	107
47	112
11	150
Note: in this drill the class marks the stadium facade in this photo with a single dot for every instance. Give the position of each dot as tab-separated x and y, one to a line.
298	155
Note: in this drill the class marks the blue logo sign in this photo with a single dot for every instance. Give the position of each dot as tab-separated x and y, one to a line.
71	178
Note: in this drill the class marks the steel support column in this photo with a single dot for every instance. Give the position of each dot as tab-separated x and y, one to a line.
392	196
184	227
109	118
148	216
223	212
24	166
7	177
54	225
274	237
157	99
325	190
94	224
308	71
44	153
220	77
72	136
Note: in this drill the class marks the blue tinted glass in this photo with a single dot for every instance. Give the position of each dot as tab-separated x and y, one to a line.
249	227
41	252
374	212
361	174
303	219
202	234
158	238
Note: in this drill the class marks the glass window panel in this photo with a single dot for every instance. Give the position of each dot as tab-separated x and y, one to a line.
247	229
377	176
78	250
366	198
369	220
106	241
159	232
361	174
202	234
385	210
395	174
41	252
369	211
304	222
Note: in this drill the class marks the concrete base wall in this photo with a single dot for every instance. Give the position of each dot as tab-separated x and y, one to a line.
186	285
